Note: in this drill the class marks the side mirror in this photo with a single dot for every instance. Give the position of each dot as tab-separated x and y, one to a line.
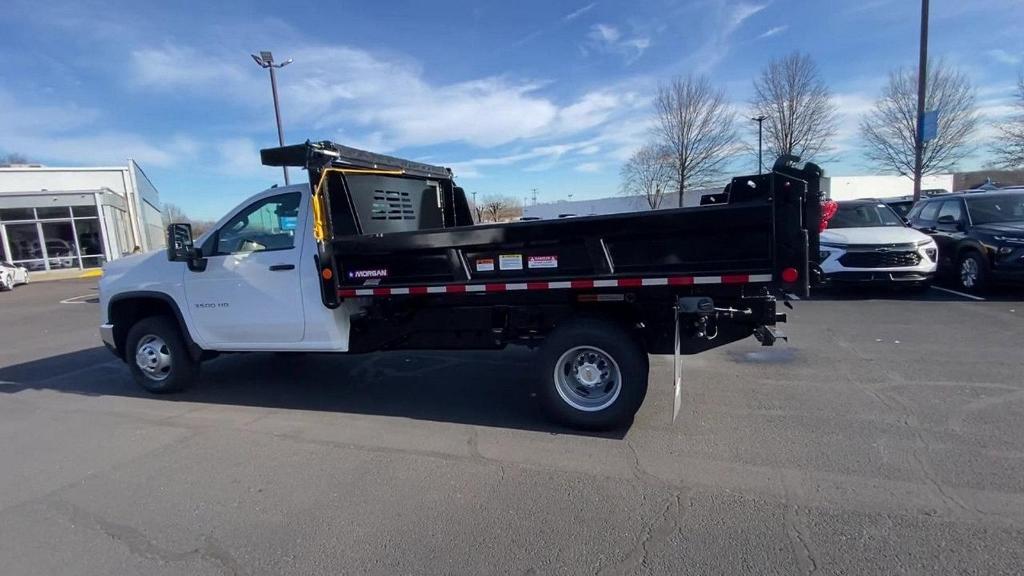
180	247
946	220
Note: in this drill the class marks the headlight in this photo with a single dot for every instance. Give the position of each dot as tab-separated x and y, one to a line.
931	253
1009	240
823	255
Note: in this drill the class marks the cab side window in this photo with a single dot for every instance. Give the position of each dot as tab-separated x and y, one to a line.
951	208
265	225
928	214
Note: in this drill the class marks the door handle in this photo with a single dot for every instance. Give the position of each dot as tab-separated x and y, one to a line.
279	267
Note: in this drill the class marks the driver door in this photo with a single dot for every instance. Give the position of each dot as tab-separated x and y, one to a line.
249	293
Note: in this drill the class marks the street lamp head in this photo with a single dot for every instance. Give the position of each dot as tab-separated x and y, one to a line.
285	63
258	60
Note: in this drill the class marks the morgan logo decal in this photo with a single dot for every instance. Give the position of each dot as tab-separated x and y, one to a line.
376	273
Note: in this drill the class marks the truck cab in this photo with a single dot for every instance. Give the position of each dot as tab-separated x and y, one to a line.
248	292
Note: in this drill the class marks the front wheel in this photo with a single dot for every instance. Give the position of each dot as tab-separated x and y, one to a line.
157	356
594	375
973	273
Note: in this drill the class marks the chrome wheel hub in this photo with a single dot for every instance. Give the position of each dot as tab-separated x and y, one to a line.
153	357
587	378
969	273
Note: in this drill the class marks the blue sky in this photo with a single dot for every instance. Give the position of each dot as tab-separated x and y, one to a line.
513	95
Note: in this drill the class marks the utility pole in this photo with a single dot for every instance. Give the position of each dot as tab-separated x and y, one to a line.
266	60
922	86
760	120
534	196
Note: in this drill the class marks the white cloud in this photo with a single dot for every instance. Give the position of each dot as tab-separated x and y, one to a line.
609	39
199	73
774	30
390	103
589	167
742	11
69	133
851	106
604	33
1004	57
241	156
579	12
719	43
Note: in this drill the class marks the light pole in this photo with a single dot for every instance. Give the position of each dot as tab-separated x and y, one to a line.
760	120
922	78
266	60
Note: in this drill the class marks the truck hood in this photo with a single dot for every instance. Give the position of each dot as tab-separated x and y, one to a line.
873	235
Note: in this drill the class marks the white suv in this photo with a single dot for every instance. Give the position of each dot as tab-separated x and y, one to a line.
867	242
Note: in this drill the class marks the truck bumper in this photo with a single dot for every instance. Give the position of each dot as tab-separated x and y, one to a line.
107	335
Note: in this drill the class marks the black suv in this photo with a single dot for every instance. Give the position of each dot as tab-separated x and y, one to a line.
980	235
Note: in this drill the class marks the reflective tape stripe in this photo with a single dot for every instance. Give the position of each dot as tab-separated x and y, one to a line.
581	284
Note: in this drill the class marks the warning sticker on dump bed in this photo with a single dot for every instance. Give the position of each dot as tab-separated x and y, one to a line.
542	262
510	261
485	265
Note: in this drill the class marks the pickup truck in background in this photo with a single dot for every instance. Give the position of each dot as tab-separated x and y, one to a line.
380	253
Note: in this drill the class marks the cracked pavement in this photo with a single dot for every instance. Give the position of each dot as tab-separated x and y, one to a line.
842	452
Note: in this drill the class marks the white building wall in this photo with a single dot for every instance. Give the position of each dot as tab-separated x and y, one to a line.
27	179
853	187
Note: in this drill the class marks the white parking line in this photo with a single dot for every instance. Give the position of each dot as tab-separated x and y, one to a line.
78	299
971	296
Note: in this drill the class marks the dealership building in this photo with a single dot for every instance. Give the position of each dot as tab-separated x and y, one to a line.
66	219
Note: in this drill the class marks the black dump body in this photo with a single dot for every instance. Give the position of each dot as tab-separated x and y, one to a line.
395	230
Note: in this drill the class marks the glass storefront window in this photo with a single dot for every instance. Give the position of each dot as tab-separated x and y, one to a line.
90	240
83	211
53	212
8	214
26	247
93	261
60	245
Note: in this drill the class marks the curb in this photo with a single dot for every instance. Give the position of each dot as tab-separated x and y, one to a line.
96	273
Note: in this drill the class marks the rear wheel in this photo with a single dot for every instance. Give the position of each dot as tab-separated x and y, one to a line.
972	272
594	375
6	281
157	356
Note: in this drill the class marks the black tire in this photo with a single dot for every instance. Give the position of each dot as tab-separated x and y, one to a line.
611	342
980	282
163	338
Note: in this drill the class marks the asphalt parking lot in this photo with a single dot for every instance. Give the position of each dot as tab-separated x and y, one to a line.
886	437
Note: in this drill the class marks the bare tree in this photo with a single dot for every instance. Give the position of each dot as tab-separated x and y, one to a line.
498	208
695	125
172	213
1009	150
890	130
647	175
800	116
200	227
13	159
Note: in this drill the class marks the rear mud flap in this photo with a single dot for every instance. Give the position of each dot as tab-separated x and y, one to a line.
677	371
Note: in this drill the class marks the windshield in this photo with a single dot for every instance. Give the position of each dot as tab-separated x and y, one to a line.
864	215
997	208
